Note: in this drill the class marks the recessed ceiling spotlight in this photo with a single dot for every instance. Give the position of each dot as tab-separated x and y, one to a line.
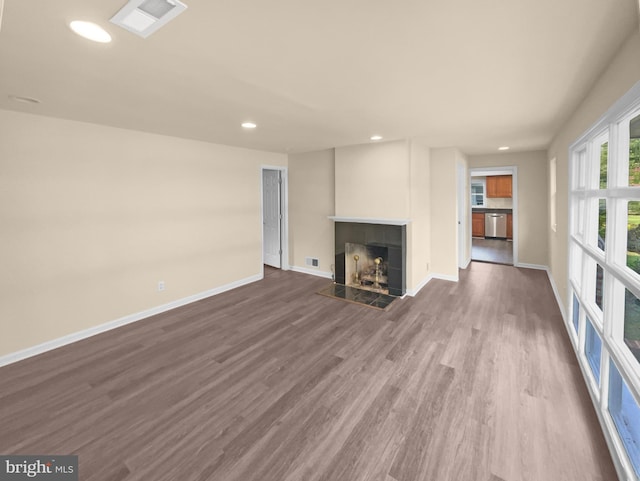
24	100
376	137
249	125
90	31
504	147
143	17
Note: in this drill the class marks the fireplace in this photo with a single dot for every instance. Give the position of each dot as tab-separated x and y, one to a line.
371	256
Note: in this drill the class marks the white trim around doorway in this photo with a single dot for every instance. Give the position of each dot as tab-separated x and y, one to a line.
511	170
284	235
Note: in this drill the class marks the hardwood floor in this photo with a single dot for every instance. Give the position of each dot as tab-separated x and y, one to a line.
468	381
497	251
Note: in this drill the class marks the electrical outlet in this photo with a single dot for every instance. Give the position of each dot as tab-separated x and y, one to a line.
160	286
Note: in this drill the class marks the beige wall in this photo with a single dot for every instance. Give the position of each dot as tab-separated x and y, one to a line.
444	214
532	205
372	180
419	230
311	202
93	217
616	80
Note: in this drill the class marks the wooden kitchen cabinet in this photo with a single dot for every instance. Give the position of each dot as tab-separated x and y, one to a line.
499	186
509	226
477	225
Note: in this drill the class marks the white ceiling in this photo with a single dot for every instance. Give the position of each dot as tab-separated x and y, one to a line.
475	74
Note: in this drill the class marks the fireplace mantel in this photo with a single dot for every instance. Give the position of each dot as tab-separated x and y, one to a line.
371	220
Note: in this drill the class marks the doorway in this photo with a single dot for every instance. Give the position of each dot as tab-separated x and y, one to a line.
274	217
494	200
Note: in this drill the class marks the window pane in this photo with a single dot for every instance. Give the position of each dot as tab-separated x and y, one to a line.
632	323
581	169
592	349
576	312
633	236
626	415
634	151
599	284
602	223
576	265
604	153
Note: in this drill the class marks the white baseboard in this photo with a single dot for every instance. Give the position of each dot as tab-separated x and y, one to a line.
466	263
92	331
539	267
445	277
413	292
312	272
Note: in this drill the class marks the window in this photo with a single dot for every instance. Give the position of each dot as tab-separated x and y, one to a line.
625	413
632	323
576	312
604	270
577	261
604	165
634	152
593	349
602	223
633	236
478	189
599	286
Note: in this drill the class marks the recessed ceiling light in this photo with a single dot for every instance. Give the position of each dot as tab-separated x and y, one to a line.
504	147
90	31
24	100
143	17
249	125
376	137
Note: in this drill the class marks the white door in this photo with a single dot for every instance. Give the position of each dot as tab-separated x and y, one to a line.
272	218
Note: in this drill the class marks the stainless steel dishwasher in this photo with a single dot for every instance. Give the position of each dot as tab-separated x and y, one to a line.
495	225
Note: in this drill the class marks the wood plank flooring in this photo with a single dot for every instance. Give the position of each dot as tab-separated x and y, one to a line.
497	251
468	381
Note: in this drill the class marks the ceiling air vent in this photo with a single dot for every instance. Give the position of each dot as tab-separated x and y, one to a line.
143	17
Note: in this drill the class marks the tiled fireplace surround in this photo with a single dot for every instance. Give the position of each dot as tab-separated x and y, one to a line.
392	237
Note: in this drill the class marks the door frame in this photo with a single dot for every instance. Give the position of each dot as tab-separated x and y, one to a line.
284	212
511	170
464	258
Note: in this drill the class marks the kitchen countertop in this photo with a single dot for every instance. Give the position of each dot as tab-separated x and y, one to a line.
484	210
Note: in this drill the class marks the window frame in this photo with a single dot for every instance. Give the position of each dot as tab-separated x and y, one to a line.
584	254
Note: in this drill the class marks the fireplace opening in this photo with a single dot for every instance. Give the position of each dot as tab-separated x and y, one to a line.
366	267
